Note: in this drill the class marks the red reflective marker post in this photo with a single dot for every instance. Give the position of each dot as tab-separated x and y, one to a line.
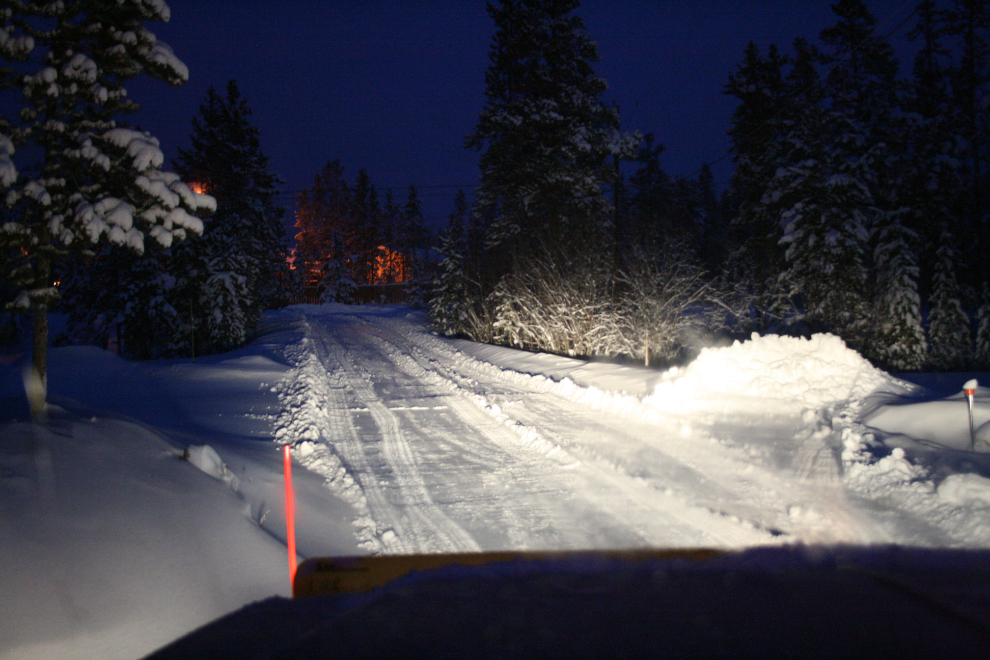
970	389
290	513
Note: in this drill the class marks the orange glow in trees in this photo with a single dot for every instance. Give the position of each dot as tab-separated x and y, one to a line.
390	267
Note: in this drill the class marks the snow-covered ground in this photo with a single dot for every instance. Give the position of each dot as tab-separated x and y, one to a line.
114	544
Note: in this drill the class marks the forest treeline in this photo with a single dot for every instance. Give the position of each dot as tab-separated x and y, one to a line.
858	203
347	238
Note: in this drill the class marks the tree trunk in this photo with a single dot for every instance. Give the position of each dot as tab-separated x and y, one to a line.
36	383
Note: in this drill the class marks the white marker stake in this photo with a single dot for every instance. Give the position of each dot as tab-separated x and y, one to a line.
970	389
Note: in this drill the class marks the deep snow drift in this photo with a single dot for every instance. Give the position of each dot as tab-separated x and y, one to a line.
420	444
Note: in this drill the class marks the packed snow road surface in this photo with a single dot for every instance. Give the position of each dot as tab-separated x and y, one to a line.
439	451
161	477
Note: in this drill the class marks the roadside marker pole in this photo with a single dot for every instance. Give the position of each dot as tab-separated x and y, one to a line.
970	389
290	513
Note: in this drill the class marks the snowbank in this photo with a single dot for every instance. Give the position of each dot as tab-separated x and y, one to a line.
811	373
113	545
965	490
944	422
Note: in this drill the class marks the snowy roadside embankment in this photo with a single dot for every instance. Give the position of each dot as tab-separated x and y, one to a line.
908	450
756	376
113	545
943	423
814	374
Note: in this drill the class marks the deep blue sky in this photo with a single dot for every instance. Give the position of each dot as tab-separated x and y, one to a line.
394	86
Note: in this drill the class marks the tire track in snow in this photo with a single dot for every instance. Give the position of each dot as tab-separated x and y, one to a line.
816	510
660	521
829	516
428	528
316	422
389	531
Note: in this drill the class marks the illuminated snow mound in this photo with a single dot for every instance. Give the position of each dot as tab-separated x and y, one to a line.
812	373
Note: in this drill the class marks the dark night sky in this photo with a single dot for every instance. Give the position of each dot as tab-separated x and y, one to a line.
394	86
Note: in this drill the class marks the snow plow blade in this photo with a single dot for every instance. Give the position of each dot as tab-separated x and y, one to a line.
346	575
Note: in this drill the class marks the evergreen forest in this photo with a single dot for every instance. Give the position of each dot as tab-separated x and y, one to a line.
858	204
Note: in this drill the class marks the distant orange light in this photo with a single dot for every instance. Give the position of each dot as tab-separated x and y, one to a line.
198	188
390	267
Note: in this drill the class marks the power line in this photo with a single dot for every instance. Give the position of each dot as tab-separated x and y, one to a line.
439	186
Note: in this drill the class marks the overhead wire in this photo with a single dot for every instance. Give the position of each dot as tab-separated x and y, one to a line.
710	163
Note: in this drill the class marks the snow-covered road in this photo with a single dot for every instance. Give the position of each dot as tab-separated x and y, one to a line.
442	452
417	443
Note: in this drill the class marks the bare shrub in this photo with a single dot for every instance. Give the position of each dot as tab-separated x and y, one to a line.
572	313
671	305
657	310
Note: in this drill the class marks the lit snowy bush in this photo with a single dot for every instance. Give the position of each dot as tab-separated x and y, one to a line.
667	303
572	313
652	311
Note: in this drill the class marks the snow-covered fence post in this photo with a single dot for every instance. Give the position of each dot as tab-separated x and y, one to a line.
290	513
970	389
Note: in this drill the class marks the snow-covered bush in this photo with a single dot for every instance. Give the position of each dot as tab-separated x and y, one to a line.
666	300
670	305
655	310
337	286
225	325
573	313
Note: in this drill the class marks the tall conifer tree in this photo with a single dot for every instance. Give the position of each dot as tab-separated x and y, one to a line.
546	139
238	269
95	181
322	209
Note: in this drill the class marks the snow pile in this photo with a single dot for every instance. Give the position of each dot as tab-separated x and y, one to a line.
119	546
813	373
944	422
965	490
208	460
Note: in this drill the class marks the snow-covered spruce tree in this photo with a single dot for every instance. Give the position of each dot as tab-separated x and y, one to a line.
337	285
772	131
448	304
898	338
649	205
966	27
245	233
769	102
823	205
91	180
412	239
410	233
547	141
863	91
224	324
367	218
321	209
983	331
928	183
948	323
